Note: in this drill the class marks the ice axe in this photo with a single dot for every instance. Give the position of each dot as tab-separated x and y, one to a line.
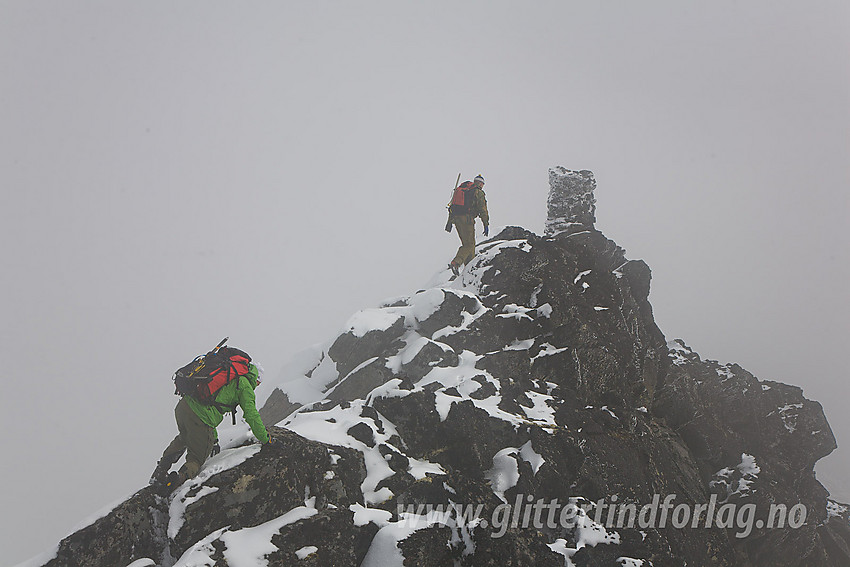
449	222
201	359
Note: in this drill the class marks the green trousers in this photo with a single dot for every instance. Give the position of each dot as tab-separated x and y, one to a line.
195	437
465	225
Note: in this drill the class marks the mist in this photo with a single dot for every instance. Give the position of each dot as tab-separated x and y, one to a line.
173	173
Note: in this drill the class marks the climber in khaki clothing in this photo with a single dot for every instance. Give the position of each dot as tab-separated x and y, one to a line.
468	202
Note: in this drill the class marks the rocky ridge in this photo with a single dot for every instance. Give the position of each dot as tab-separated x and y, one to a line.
537	377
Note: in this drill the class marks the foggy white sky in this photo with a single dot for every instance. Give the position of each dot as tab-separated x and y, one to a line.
174	172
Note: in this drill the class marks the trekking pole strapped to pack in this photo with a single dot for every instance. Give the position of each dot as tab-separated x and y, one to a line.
449	206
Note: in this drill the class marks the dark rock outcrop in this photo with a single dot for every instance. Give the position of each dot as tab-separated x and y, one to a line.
261	489
733	424
536	391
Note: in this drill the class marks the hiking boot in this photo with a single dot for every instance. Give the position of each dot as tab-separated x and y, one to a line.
454	268
174	480
160	472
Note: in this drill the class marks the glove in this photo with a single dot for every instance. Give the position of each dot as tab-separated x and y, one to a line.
486	231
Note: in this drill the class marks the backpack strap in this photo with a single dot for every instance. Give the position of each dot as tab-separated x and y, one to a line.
224	408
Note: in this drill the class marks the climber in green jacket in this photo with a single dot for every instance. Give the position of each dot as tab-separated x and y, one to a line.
196	425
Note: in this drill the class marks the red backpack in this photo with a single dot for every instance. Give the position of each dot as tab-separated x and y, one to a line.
202	378
462	199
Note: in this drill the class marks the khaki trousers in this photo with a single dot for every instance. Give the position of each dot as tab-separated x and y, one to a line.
465	225
195	437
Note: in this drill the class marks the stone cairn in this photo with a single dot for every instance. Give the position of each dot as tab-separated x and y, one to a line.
571	200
